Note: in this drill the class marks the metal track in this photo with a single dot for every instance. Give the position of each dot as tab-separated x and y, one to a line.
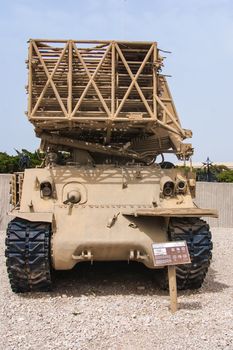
198	237
28	256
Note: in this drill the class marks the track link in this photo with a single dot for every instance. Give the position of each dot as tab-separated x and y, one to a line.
28	255
196	233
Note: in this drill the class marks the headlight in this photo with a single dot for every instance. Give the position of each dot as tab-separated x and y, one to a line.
181	186
46	189
167	186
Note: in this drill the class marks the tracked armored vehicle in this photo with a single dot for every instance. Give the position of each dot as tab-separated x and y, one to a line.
104	192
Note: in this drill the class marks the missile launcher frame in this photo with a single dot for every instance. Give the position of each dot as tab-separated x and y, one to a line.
104	114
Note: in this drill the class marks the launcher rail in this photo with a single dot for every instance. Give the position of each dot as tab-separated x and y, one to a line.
106	91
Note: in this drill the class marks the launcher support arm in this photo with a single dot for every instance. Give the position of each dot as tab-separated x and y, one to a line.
93	147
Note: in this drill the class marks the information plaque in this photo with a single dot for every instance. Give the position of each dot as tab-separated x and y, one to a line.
170	253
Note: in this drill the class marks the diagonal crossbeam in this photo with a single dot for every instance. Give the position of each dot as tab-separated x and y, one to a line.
50	79
169	114
91	80
134	81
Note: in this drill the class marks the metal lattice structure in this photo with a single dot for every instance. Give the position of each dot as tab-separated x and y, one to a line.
106	91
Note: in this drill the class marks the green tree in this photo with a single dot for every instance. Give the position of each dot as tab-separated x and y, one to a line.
10	164
225	176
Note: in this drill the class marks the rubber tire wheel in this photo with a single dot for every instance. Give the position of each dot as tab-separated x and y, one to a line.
196	233
28	255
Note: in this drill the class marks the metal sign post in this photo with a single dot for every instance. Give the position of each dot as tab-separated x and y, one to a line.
171	254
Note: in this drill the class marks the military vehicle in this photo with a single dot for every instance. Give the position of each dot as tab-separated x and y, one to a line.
104	191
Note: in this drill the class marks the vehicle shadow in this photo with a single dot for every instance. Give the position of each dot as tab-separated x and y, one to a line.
108	279
118	278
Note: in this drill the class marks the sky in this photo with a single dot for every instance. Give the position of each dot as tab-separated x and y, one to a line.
199	33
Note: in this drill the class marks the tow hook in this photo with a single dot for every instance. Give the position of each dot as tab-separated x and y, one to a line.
112	220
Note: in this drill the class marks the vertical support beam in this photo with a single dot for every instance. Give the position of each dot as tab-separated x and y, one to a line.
154	80
172	288
113	80
113	91
69	101
117	79
30	79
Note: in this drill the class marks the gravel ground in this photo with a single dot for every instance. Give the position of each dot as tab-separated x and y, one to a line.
117	306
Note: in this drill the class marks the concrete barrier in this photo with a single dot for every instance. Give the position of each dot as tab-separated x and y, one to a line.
218	196
208	195
4	199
